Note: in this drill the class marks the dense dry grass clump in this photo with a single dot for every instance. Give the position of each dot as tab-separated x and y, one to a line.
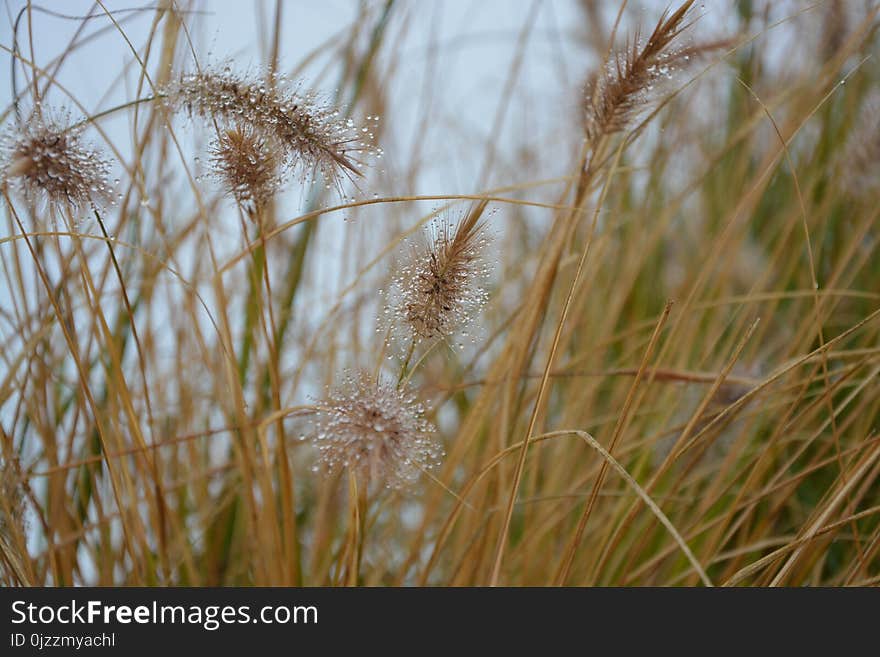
12	504
662	368
861	157
13	554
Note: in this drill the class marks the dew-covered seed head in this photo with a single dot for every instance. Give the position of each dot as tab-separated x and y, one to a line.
376	431
625	87
248	164
314	136
439	289
48	162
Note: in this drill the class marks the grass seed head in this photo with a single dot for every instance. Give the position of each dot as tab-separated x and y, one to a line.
314	136
616	96
438	290
12	505
249	165
375	430
48	162
13	528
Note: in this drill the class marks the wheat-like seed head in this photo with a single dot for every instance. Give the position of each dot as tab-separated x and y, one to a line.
375	430
439	288
615	97
313	135
49	163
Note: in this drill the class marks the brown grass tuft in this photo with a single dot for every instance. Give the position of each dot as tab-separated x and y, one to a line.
12	525
862	151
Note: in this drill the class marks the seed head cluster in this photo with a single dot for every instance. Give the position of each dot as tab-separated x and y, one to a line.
376	431
439	289
312	136
49	163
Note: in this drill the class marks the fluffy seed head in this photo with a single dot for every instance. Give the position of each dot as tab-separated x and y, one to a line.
248	164
616	96
376	431
438	290
312	134
49	163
